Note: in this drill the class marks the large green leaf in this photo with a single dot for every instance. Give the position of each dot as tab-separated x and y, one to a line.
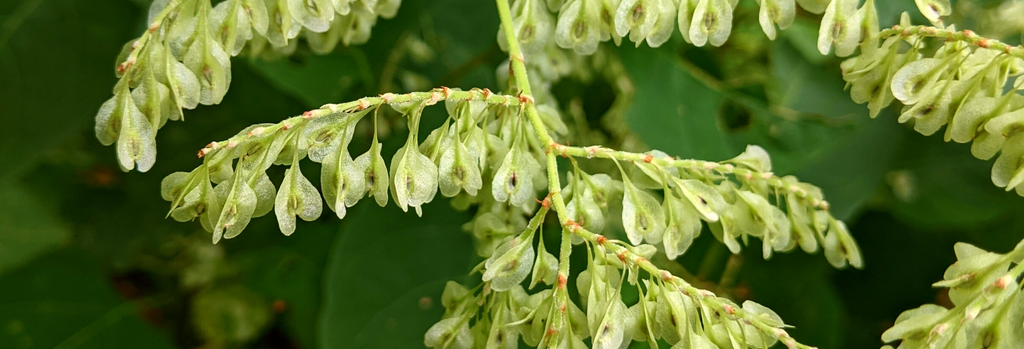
29	226
672	111
64	300
383	281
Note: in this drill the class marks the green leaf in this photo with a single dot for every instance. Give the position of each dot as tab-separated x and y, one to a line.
384	277
63	300
30	227
672	111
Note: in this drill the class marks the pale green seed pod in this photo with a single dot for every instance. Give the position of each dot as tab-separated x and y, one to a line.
154	99
513	181
545	268
800	220
510	264
753	158
1008	171
449	333
934	10
933	109
343	182
239	203
869	28
711	23
636	18
840	248
356	26
579	27
682	226
315	15
642	216
915	322
610	333
702	197
454	297
230	25
684	16
840	26
607	14
776	13
414	178
665	24
532	24
329	134
457	169
211	65
266	194
283	25
915	79
297	197
342	7
119	119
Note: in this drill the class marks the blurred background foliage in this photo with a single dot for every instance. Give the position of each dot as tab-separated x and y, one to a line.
87	259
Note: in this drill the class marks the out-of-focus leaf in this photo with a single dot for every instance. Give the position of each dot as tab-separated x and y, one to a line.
28	227
52	55
64	300
671	110
314	79
385	275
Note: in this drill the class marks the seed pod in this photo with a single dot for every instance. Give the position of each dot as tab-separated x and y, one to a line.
754	158
183	84
869	28
916	78
343	182
239	203
800	218
776	12
283	25
375	173
610	333
682	227
934	10
119	119
915	322
342	7
579	27
153	100
675	316
703	198
712	22
458	170
665	25
532	26
545	268
414	177
297	196
840	247
684	16
499	336
513	181
315	15
584	210
266	194
231	26
1008	171
211	65
450	333
642	217
607	14
636	18
510	264
934	108
329	134
840	26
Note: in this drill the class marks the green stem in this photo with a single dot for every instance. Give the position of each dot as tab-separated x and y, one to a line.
966	36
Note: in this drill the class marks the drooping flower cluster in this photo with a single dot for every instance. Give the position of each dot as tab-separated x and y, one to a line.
988	305
184	58
581	24
962	86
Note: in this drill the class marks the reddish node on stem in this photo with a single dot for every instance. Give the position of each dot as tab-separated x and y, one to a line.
729	310
434	98
363	104
387	97
666	276
601	240
1003	282
562	280
487	93
232	144
307	114
969	33
622	256
640	260
154	26
983	43
286	127
648	158
447	92
552	331
562	308
525	99
546	203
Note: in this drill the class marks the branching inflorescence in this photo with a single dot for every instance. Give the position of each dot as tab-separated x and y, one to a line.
498	151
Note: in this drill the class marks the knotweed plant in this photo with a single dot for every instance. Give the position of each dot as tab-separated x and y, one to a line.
504	153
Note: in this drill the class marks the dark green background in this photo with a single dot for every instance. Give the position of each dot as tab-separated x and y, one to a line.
87	259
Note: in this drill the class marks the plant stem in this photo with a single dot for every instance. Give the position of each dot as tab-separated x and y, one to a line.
966	36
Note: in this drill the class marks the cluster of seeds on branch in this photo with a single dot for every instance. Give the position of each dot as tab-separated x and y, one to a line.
581	24
964	85
500	311
184	58
988	305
